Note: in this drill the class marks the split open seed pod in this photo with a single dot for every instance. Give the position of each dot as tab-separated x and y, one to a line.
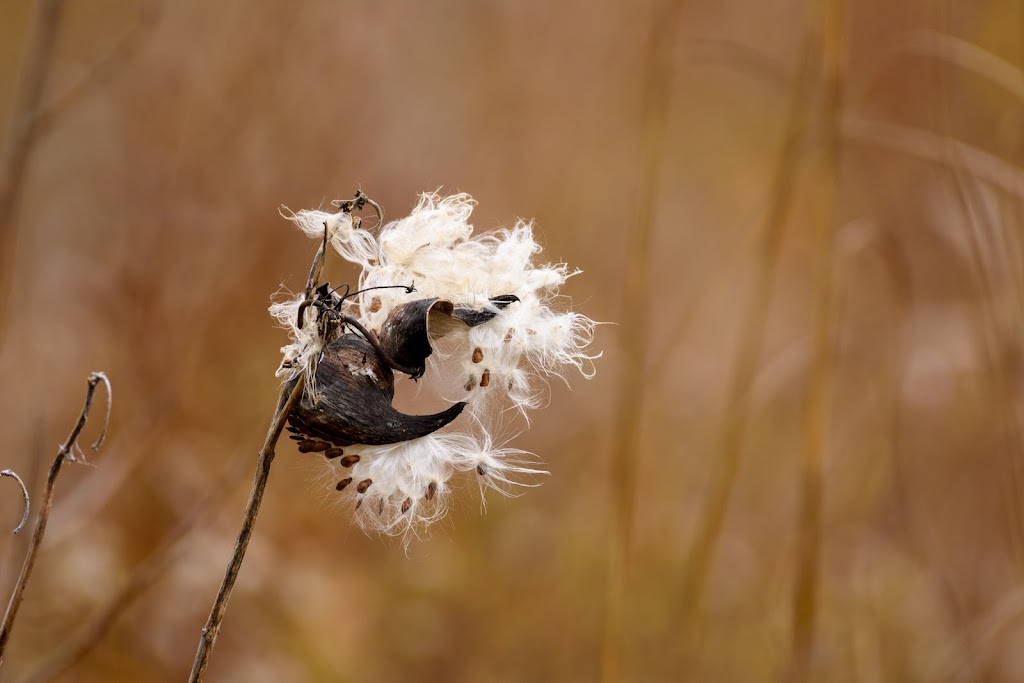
356	385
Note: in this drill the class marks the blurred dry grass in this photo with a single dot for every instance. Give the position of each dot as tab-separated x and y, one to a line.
148	243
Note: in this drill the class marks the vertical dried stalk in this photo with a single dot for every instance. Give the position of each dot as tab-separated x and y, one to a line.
819	390
35	70
65	452
1014	216
289	394
635	322
732	437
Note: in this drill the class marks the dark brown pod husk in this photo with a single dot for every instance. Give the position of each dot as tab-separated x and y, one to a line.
354	393
473	317
355	386
407	332
404	334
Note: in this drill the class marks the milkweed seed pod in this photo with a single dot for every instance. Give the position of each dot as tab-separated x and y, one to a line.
474	311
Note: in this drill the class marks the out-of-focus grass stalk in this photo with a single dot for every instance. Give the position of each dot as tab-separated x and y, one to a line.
991	330
21	134
1013	214
732	435
990	335
635	327
818	399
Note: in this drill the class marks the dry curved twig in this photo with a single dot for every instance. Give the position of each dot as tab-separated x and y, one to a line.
66	452
24	492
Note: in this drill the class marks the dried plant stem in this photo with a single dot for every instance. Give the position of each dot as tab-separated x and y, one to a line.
24	492
21	135
65	452
635	327
733	430
290	392
816	411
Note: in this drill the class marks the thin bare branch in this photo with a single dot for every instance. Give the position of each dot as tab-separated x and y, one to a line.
289	394
65	453
102	377
24	492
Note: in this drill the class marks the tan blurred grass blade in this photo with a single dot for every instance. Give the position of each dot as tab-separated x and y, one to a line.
819	393
21	135
732	435
989	257
635	330
929	146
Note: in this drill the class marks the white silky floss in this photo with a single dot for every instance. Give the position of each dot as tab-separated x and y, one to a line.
502	363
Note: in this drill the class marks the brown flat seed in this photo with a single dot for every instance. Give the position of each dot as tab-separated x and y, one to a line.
363	485
313	446
478	355
481	470
406	505
349	460
343	483
359	503
291	429
511	333
375	304
332	453
485	379
471	383
296	437
306	445
431	490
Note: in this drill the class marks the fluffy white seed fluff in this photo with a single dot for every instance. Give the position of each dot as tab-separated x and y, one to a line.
407	483
501	364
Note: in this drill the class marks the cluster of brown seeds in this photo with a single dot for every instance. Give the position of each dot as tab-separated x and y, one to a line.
307	444
485	377
478	357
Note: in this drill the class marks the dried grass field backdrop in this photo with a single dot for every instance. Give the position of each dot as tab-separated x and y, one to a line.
772	430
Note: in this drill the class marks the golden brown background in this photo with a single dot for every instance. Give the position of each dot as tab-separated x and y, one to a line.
647	141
